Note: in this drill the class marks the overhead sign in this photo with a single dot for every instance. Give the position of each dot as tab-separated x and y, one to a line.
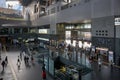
117	21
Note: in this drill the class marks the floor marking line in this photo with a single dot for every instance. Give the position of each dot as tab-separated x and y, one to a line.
13	72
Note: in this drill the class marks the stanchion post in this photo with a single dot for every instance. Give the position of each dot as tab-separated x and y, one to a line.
80	74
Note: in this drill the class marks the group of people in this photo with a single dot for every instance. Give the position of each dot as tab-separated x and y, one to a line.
100	63
26	60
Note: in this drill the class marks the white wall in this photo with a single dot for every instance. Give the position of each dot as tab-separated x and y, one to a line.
103	24
91	10
116	7
100	8
84	11
78	12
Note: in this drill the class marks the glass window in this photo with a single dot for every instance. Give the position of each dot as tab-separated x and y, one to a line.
68	41
68	34
68	1
80	44
53	10
4	31
16	30
74	43
25	30
87	26
86	35
82	27
32	30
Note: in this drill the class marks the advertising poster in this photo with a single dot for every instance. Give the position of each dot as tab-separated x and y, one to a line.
110	56
51	67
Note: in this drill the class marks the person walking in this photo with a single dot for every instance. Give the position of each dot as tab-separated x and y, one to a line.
0	48
99	63
32	59
18	63
6	61
43	75
111	64
3	64
25	59
0	58
21	56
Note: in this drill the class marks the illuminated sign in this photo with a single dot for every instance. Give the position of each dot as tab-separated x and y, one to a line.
110	56
117	21
44	39
43	31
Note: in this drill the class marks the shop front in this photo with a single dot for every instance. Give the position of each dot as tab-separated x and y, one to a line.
103	53
81	40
